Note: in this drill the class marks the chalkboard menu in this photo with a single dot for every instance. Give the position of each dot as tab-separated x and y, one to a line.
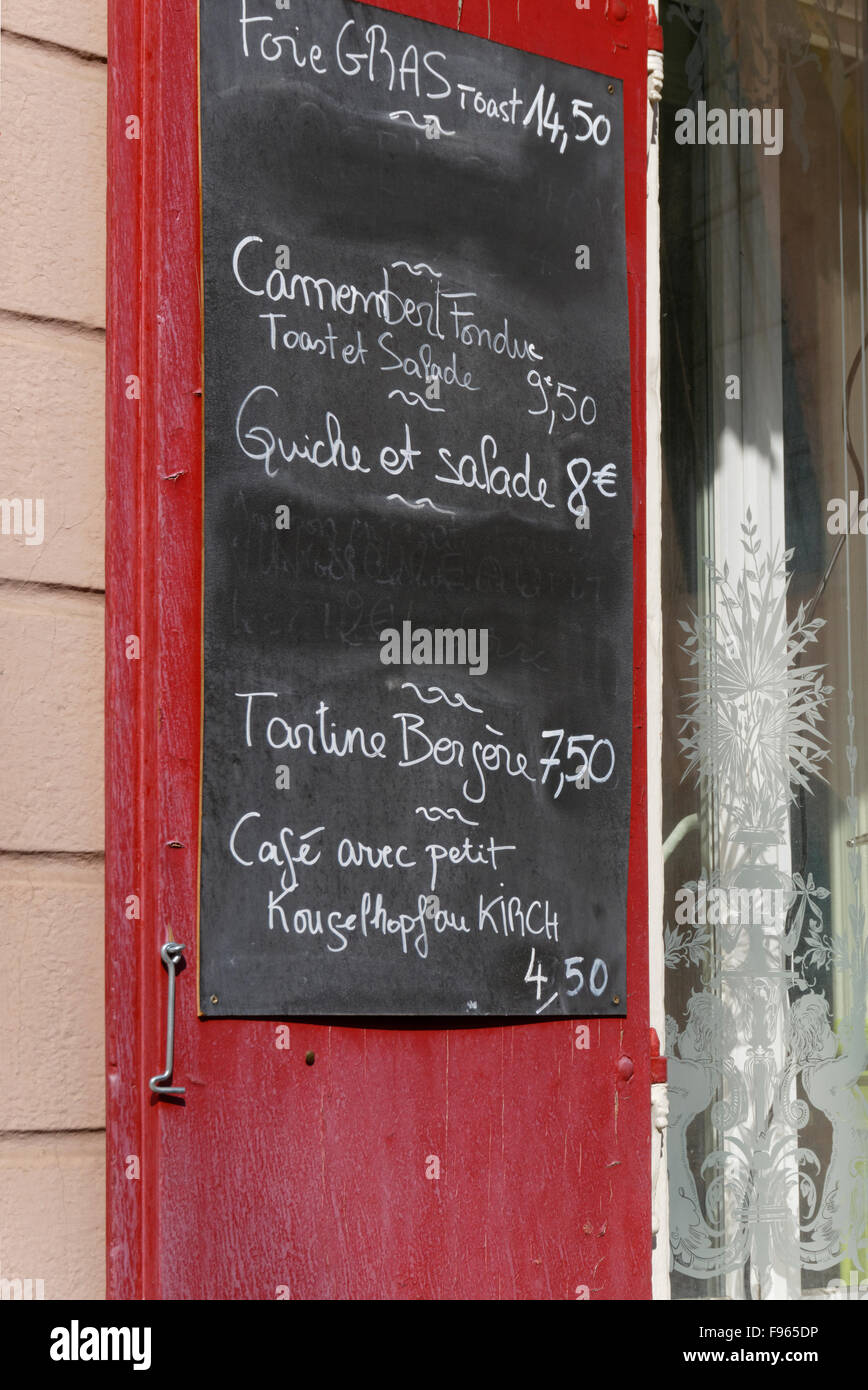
418	603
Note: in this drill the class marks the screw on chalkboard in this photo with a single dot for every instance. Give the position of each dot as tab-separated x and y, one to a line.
214	999
309	1058
616	998
610	89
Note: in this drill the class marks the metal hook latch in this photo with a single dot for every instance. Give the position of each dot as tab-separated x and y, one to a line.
170	955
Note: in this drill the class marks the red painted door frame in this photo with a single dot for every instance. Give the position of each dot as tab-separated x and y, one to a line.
273	1178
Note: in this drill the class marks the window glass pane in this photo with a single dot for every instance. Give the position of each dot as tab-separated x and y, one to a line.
765	591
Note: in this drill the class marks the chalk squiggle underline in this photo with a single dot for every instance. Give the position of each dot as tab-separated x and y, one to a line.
439	814
440	695
414	399
418	269
421	502
426	123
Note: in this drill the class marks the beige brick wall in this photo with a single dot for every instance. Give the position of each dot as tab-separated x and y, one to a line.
75	24
54	1211
52	213
52	350
54	377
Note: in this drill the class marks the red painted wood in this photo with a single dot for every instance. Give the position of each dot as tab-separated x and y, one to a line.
125	939
271	1174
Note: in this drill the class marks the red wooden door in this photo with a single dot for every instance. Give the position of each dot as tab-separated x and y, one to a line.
307	1160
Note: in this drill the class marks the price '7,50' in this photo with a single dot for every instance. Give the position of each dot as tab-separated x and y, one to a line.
584	771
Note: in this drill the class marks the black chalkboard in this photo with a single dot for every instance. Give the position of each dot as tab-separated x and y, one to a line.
417	446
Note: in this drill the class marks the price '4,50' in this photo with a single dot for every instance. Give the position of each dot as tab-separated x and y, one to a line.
596	979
